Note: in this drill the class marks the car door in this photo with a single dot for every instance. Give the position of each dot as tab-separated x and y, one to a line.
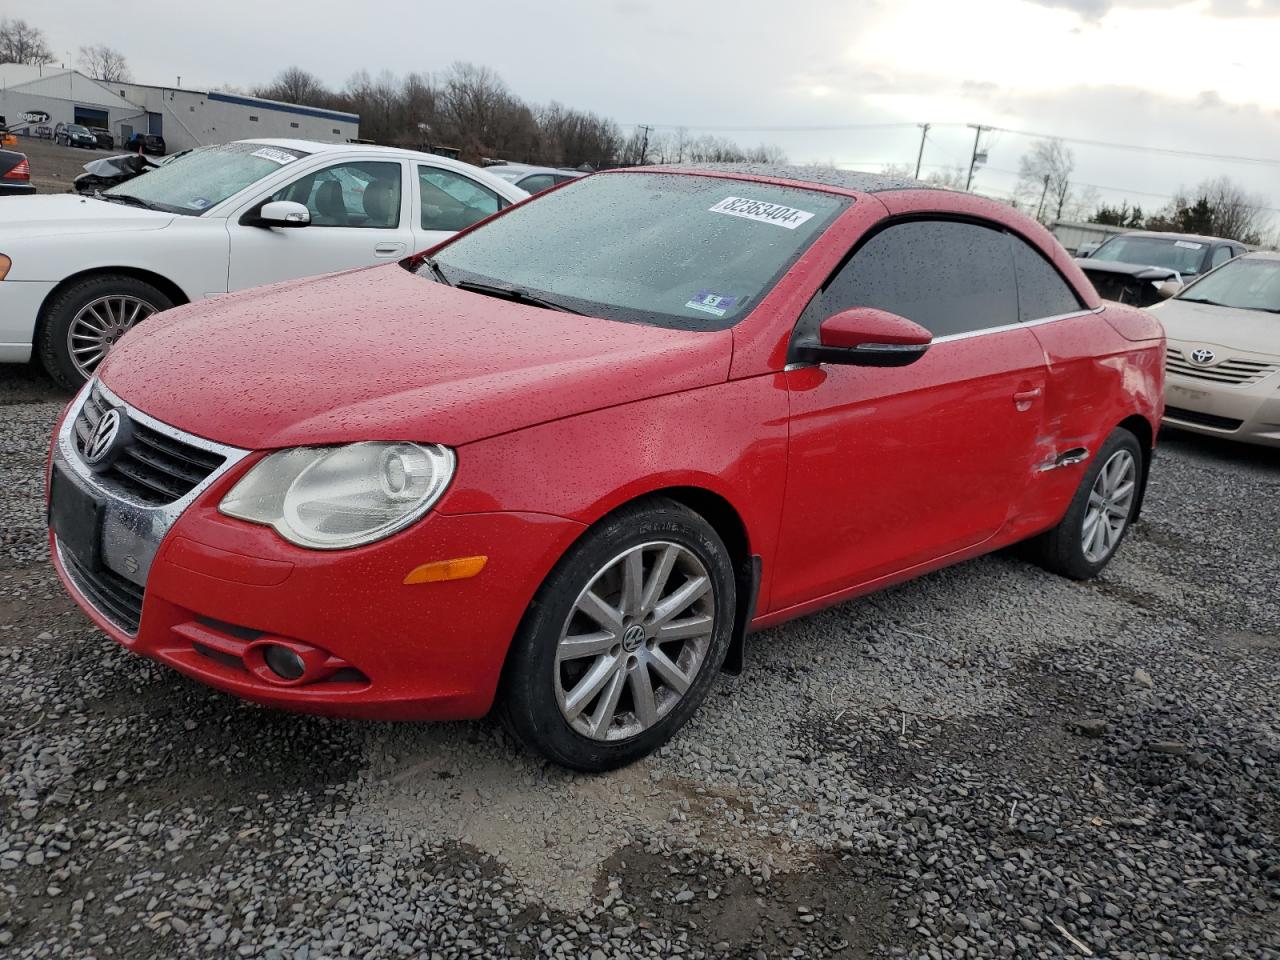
892	467
358	217
447	202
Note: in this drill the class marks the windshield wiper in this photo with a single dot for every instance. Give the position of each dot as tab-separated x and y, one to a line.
436	271
1212	303
126	198
516	294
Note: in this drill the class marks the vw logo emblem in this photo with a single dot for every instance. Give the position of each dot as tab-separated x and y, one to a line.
632	638
1203	355
100	442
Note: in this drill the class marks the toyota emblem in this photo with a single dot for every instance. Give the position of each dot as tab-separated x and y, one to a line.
100	442
1203	355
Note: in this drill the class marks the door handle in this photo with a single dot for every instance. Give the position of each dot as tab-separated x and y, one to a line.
1024	398
389	249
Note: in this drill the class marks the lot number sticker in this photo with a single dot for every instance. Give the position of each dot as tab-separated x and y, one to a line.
1187	244
716	304
275	156
765	212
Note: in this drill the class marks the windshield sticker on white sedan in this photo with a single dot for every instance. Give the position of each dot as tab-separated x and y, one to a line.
716	304
763	211
275	156
1187	244
197	203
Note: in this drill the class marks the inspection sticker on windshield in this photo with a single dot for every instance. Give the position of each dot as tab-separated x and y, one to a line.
716	304
197	203
763	211
1187	244
275	156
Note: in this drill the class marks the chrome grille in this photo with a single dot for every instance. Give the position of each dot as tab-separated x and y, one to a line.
1235	371
153	468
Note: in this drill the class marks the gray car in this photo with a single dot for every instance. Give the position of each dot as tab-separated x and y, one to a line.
532	179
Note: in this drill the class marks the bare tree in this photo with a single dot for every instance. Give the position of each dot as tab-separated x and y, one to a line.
1218	208
295	85
1044	180
22	43
104	63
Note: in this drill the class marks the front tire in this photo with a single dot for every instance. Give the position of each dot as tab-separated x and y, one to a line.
84	320
624	639
1100	514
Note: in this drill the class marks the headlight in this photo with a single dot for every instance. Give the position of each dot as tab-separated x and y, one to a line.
330	498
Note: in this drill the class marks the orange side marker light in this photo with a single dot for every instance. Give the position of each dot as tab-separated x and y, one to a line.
460	568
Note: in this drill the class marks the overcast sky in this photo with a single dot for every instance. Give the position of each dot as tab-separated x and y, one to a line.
1198	76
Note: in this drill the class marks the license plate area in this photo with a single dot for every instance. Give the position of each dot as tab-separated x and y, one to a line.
76	519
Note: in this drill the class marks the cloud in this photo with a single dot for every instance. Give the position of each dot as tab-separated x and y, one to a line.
1097	9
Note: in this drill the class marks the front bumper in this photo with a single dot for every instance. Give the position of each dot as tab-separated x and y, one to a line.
20	302
216	589
1247	411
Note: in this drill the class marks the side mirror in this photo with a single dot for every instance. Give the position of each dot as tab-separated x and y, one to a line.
1169	288
283	213
867	337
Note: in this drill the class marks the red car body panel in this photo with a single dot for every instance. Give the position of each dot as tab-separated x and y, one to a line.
843	479
384	355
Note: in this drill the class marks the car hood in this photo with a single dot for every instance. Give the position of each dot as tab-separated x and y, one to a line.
382	354
40	216
1138	271
1253	331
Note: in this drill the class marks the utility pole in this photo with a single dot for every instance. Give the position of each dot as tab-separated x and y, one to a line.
973	160
924	132
1043	193
644	144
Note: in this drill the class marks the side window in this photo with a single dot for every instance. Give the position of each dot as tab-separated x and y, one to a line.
363	193
537	183
1041	290
947	276
1220	256
453	202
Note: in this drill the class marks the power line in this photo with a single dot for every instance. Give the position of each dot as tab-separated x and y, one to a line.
820	128
1084	141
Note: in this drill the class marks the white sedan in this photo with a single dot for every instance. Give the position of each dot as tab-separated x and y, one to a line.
77	272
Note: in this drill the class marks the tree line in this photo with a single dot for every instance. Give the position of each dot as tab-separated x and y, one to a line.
1217	207
470	108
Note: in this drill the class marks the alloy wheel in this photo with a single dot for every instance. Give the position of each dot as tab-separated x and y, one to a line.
635	640
97	326
1110	504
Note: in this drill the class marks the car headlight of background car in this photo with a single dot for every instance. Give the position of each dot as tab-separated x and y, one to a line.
331	498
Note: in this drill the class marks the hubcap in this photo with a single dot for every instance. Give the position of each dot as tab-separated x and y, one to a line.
1110	503
99	324
635	640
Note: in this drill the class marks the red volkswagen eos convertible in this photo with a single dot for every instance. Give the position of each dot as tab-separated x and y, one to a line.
563	465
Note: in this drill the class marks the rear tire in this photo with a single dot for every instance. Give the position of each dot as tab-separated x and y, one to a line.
104	307
623	640
1100	514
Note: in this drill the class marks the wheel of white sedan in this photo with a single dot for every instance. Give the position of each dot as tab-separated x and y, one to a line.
624	640
1100	513
84	320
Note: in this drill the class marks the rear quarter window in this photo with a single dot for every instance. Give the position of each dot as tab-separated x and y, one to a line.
1042	292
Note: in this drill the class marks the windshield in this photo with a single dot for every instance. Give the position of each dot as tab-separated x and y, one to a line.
1246	283
692	252
75	128
193	183
1185	256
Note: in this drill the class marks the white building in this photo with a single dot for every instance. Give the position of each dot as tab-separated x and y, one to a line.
185	118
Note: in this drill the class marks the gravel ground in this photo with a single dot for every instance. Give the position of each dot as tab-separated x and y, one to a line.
989	762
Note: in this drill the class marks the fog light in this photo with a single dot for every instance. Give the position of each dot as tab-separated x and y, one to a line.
283	662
